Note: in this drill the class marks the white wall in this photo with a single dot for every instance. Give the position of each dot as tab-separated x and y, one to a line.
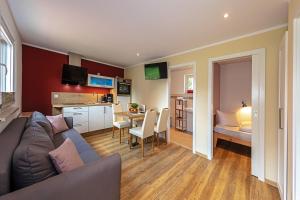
152	93
235	85
7	16
177	80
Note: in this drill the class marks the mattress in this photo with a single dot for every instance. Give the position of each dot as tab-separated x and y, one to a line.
233	132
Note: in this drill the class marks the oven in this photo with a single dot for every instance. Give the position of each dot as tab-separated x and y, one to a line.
124	87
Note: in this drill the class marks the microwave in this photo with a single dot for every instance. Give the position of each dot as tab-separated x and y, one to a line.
124	87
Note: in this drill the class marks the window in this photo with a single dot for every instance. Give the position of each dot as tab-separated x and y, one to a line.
6	66
189	83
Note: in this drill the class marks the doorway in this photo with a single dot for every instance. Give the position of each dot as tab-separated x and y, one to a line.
257	104
182	98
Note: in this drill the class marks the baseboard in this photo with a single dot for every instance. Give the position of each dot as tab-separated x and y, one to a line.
98	132
181	145
201	155
273	183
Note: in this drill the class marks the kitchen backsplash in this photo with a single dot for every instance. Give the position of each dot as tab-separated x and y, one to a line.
73	98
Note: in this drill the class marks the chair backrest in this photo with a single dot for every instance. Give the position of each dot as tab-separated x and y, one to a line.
148	123
162	122
117	108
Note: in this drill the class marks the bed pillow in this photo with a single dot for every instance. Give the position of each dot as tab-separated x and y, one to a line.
58	123
66	157
227	119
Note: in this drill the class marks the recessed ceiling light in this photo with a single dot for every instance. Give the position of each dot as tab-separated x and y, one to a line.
226	15
137	54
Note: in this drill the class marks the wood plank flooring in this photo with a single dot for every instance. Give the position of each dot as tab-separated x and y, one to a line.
182	139
173	172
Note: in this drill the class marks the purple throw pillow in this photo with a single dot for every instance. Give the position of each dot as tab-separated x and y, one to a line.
65	157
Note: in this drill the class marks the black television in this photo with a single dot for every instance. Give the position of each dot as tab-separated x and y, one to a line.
155	71
74	75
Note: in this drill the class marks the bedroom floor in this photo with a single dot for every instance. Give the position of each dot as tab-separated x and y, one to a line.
173	172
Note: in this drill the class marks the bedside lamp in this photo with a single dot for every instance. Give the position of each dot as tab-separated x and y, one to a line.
245	113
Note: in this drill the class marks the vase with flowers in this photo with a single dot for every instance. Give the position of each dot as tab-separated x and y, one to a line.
134	108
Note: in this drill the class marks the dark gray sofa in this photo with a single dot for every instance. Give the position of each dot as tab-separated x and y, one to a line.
98	179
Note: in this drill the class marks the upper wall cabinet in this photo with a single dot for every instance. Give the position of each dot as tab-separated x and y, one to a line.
100	81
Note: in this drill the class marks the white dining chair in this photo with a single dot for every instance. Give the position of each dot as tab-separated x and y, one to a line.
162	124
135	122
147	129
119	121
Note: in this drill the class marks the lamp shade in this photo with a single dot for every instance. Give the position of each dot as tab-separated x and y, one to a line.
246	114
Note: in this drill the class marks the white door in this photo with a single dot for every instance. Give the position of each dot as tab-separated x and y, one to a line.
282	129
258	116
108	117
96	118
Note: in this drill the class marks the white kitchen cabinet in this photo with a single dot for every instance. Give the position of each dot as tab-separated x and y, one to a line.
90	118
96	118
80	118
108	117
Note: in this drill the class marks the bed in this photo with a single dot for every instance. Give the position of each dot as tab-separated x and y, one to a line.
233	134
228	127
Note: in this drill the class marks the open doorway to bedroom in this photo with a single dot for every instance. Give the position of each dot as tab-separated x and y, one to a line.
232	105
240	120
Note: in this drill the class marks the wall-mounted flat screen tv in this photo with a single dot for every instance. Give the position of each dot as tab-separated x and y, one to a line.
156	71
74	75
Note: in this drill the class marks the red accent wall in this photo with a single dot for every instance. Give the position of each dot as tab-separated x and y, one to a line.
41	75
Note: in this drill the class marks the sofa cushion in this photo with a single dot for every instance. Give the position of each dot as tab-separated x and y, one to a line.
66	158
58	123
87	154
31	162
42	121
9	140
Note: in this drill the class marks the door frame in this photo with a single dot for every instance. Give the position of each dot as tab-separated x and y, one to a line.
283	191
296	109
193	64
261	108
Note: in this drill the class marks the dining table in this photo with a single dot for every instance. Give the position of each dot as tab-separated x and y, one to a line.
132	116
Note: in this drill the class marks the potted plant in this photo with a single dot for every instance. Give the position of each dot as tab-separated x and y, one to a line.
134	108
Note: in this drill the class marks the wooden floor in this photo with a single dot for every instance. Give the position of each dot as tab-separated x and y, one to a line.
181	138
173	172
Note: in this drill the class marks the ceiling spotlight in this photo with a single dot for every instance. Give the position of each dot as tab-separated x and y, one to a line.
137	54
226	15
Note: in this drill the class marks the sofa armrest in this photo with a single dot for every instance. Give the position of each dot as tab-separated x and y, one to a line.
95	181
69	121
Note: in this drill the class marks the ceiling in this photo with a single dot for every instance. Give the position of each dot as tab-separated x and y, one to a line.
114	31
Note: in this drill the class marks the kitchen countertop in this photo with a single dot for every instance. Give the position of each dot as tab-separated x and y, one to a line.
80	105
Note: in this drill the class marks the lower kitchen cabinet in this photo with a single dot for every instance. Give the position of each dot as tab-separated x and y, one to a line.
96	118
90	118
108	117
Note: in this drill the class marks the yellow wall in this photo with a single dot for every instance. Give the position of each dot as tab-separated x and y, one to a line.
294	11
154	93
